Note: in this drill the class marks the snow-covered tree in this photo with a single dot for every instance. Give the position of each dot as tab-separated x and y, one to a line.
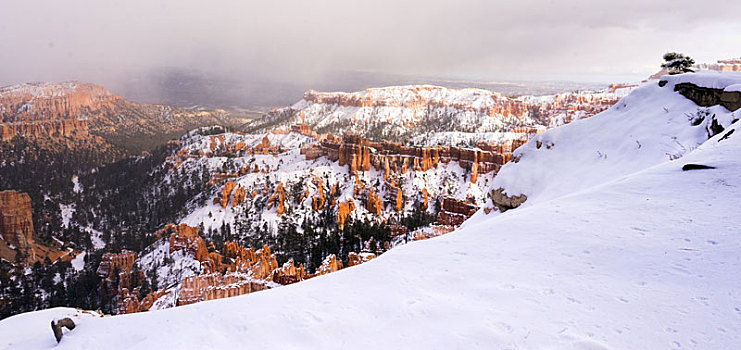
677	63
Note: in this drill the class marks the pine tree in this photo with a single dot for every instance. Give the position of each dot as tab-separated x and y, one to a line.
677	63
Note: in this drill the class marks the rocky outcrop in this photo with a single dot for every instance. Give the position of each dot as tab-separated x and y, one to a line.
357	259
706	97
303	129
417	97
374	204
130	302
505	202
404	110
393	158
329	265
343	212
280	197
354	152
425	199
239	195
226	192
317	202
397	230
288	273
454	212
213	286
116	271
110	262
250	271
16	226
184	237
44	129
71	109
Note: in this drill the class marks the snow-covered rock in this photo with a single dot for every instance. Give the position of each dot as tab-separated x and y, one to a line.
422	111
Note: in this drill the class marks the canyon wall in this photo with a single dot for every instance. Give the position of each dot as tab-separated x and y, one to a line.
16	226
44	129
359	155
54	101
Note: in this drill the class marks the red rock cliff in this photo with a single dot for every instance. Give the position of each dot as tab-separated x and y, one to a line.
44	129
54	101
16	225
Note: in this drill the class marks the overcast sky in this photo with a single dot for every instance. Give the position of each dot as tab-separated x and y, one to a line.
302	40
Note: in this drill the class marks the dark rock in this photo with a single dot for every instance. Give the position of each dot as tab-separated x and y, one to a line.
726	135
56	327
691	166
706	97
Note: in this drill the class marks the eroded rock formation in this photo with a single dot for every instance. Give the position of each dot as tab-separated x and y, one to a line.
280	197
249	271
374	204
44	101
226	192
184	237
393	158
329	265
44	129
454	212
129	302
343	212
357	259
16	226
122	262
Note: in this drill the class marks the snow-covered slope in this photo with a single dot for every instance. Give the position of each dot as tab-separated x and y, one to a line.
645	259
651	125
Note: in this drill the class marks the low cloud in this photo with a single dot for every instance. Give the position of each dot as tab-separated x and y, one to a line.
305	41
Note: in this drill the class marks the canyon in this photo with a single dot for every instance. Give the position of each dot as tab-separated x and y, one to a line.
78	110
304	197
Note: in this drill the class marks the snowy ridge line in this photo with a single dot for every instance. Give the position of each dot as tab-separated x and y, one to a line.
651	125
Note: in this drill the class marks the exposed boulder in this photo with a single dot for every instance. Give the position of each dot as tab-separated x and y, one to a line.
56	327
505	202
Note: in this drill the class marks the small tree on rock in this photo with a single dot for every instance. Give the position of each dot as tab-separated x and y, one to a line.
677	63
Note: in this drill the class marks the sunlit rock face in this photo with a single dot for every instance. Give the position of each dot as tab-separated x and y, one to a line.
454	212
16	226
44	129
54	101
